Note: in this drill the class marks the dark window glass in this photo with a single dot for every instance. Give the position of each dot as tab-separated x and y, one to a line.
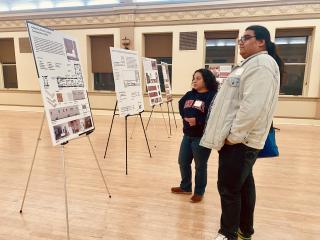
10	76
220	51
104	81
293	51
292	84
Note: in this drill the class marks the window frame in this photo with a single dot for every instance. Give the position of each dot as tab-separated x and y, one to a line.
307	63
91	74
235	52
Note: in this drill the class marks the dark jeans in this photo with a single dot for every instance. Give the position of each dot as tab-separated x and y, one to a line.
190	149
237	189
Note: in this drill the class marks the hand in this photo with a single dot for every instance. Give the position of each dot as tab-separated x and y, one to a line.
191	121
227	142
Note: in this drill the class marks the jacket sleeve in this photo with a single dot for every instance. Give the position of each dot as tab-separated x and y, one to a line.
258	92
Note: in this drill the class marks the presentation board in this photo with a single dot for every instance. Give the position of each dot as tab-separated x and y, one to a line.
152	81
221	72
63	91
166	81
125	66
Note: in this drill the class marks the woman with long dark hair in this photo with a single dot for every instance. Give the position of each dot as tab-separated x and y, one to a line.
238	126
193	107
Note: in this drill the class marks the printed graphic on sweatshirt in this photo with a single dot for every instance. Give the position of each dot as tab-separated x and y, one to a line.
197	104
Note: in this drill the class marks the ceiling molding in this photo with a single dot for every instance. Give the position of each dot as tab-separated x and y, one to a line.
130	17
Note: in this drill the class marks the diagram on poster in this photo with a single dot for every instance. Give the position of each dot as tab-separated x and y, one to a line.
166	80
152	81
221	72
65	97
125	66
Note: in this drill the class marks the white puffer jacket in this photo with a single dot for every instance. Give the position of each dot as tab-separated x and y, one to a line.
244	106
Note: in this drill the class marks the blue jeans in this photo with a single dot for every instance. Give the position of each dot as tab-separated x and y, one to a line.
190	149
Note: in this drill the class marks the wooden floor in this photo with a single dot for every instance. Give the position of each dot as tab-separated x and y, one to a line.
142	207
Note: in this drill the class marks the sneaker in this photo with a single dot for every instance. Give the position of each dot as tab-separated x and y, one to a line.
179	190
196	198
221	237
241	236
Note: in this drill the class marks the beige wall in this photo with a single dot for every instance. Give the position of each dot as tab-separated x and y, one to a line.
183	65
186	62
26	70
183	62
291	107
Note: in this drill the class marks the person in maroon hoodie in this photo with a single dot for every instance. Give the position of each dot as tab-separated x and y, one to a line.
193	108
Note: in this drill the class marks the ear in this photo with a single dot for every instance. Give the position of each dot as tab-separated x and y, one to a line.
261	43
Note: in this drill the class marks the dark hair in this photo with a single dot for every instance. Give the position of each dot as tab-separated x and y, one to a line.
263	33
208	78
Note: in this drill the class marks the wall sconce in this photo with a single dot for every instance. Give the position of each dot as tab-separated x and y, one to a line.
125	42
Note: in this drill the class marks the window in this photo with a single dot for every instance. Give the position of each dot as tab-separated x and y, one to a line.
220	47
16	5
101	62
292	46
159	47
8	71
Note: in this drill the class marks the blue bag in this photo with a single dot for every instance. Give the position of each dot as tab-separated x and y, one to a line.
270	148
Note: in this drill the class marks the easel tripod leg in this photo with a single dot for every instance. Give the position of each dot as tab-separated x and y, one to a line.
65	191
173	115
145	135
134	126
149	117
169	117
33	160
165	124
126	130
114	112
95	156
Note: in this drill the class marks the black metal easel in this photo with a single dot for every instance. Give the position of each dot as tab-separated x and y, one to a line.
175	122
126	133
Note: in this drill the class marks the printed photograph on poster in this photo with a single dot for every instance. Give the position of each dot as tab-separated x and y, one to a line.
74	125
64	112
61	131
61	82
221	72
78	94
45	81
152	81
166	80
125	66
71	49
88	122
59	97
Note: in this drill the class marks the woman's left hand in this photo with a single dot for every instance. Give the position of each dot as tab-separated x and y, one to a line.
191	121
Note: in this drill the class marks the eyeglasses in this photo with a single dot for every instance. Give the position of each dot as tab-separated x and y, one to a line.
245	38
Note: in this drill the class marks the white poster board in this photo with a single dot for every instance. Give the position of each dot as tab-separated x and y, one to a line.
152	81
166	80
62	87
221	72
125	66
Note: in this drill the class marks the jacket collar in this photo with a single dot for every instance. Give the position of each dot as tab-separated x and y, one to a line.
252	56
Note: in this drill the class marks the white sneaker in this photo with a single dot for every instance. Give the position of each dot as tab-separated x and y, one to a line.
221	237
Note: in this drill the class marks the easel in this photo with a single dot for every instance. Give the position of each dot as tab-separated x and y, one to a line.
175	122
162	117
165	124
64	173
126	132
